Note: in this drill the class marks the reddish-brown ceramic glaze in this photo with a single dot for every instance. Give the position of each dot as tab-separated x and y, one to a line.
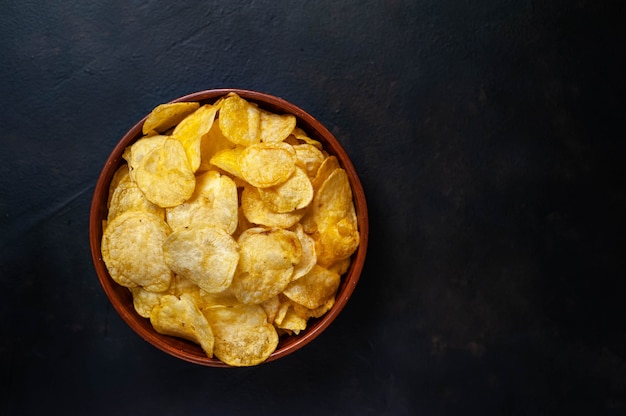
121	298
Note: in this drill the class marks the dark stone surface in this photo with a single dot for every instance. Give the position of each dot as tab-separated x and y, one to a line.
489	137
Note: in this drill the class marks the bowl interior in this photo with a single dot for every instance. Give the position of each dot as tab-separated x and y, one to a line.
120	296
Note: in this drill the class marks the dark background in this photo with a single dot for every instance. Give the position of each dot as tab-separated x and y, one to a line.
489	137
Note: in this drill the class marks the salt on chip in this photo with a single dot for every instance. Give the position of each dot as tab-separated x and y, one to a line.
333	212
213	202
243	337
181	317
204	254
293	194
191	131
132	251
257	212
267	261
164	175
240	120
276	127
313	289
166	116
267	164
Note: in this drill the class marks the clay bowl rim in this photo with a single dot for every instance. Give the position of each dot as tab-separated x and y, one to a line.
120	297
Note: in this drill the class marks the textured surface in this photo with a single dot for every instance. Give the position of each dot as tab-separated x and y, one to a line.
489	138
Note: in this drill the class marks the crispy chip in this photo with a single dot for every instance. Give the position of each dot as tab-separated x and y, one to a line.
120	176
144	301
267	164
166	116
313	289
204	254
240	120
212	143
128	197
214	202
333	212
192	129
309	158
293	194
132	251
243	337
181	317
229	161
292	322
301	136
313	313
138	150
267	261
276	127
309	258
258	213
327	167
164	175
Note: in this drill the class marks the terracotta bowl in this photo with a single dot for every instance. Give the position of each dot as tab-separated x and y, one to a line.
120	297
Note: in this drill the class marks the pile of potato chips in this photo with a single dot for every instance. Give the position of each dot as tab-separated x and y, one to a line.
230	226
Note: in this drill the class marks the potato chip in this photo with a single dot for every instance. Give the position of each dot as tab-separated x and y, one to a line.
204	254
128	197
166	116
334	214
229	161
212	143
132	251
313	289
191	131
292	322
271	306
309	257
214	202
267	164
302	137
138	150
276	127
243	337
120	176
181	317
267	261
144	301
219	299
309	158
256	212
240	120
327	167
293	194
164	175
307	313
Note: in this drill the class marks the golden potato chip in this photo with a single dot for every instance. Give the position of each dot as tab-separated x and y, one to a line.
138	150
164	175
309	257
120	176
132	251
309	158
212	143
292	322
293	194
333	211
313	289
327	167
181	317
271	306
240	120
256	212
267	261
128	197
166	116
307	313
214	202
229	161
302	137
276	127
219	299
243	337
144	301
181	285
190	132
267	164
204	254
340	266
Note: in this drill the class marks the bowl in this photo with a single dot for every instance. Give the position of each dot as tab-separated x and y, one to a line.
120	297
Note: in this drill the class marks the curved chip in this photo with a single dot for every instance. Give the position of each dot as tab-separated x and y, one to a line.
213	202
205	255
309	257
228	160
144	301
190	132
166	116
276	127
267	261
293	194
267	164
240	120
256	212
212	143
132	251
128	197
309	158
164	175
313	289
138	150
243	337
181	317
